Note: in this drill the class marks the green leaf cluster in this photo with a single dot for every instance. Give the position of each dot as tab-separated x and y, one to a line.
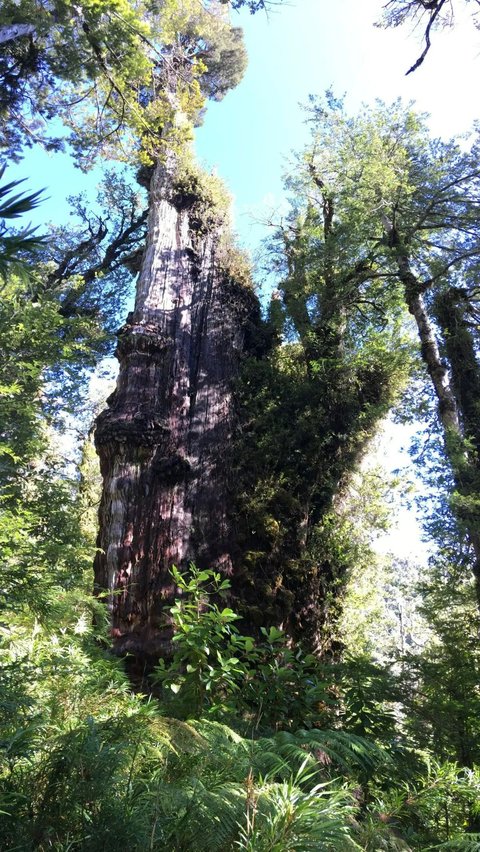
216	671
115	73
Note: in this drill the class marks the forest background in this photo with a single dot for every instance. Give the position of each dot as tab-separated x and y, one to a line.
337	47
371	751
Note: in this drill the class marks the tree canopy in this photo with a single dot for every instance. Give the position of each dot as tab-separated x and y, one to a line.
109	71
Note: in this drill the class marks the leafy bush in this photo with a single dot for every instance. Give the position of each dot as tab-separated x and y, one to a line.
217	670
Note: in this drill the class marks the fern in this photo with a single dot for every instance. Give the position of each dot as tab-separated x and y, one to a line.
285	817
193	815
343	751
461	843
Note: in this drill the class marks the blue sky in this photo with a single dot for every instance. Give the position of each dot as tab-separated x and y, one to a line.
301	47
305	47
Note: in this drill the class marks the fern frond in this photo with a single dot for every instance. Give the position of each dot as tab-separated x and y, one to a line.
461	843
344	751
228	755
287	817
196	816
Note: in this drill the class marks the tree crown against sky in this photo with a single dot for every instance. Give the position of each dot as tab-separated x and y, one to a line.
112	72
382	166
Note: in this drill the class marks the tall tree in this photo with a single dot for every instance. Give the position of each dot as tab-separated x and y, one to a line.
311	405
103	69
419	200
163	442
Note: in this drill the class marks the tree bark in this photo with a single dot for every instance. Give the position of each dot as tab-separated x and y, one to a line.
450	308
413	291
454	403
164	441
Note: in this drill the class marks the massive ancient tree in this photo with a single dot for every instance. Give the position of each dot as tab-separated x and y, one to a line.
164	440
249	484
383	222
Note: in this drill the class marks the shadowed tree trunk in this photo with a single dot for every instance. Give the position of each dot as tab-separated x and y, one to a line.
164	440
451	313
456	383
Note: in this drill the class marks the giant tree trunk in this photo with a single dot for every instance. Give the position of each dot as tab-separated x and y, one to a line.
164	441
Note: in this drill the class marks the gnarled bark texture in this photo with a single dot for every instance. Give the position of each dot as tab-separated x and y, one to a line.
164	440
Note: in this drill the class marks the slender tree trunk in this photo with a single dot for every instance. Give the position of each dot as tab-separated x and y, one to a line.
447	404
164	441
449	309
451	395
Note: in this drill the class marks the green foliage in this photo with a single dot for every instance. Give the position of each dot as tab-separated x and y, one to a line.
42	350
205	665
368	696
328	751
85	758
380	614
77	747
387	204
322	410
55	325
15	244
285	688
63	50
225	59
340	358
215	670
205	196
283	816
432	808
114	72
88	268
441	682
